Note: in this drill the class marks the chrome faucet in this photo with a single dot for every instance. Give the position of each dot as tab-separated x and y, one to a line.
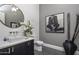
13	33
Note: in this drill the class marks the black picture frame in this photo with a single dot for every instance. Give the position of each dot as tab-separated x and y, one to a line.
54	23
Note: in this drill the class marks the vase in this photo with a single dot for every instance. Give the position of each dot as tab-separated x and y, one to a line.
27	34
69	47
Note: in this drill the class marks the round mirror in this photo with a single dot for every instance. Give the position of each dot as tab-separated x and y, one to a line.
11	16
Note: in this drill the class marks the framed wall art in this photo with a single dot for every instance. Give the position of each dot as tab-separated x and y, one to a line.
55	23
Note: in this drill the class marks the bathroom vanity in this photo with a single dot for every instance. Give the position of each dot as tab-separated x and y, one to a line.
13	40
19	47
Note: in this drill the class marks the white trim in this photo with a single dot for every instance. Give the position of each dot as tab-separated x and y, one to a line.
53	47
57	48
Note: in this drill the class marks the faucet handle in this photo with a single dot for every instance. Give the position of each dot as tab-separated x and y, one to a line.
10	32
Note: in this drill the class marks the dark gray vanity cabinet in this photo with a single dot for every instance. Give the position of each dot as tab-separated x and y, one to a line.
26	48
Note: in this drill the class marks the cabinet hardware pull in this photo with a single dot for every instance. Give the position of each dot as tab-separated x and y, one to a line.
12	49
9	51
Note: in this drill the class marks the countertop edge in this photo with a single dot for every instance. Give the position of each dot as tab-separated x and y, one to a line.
9	44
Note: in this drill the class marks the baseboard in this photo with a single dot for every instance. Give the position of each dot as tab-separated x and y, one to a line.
57	48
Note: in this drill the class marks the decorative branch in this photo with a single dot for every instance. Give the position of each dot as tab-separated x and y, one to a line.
76	30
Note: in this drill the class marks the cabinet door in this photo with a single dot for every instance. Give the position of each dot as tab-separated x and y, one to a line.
24	48
30	47
19	49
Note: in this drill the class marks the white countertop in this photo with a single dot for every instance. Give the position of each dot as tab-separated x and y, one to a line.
6	44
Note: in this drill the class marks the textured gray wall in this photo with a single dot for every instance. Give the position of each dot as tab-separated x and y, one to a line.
48	9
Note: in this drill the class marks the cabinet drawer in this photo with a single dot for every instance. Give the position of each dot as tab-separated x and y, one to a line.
5	51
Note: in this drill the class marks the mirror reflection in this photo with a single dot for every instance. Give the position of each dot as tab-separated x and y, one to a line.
11	16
